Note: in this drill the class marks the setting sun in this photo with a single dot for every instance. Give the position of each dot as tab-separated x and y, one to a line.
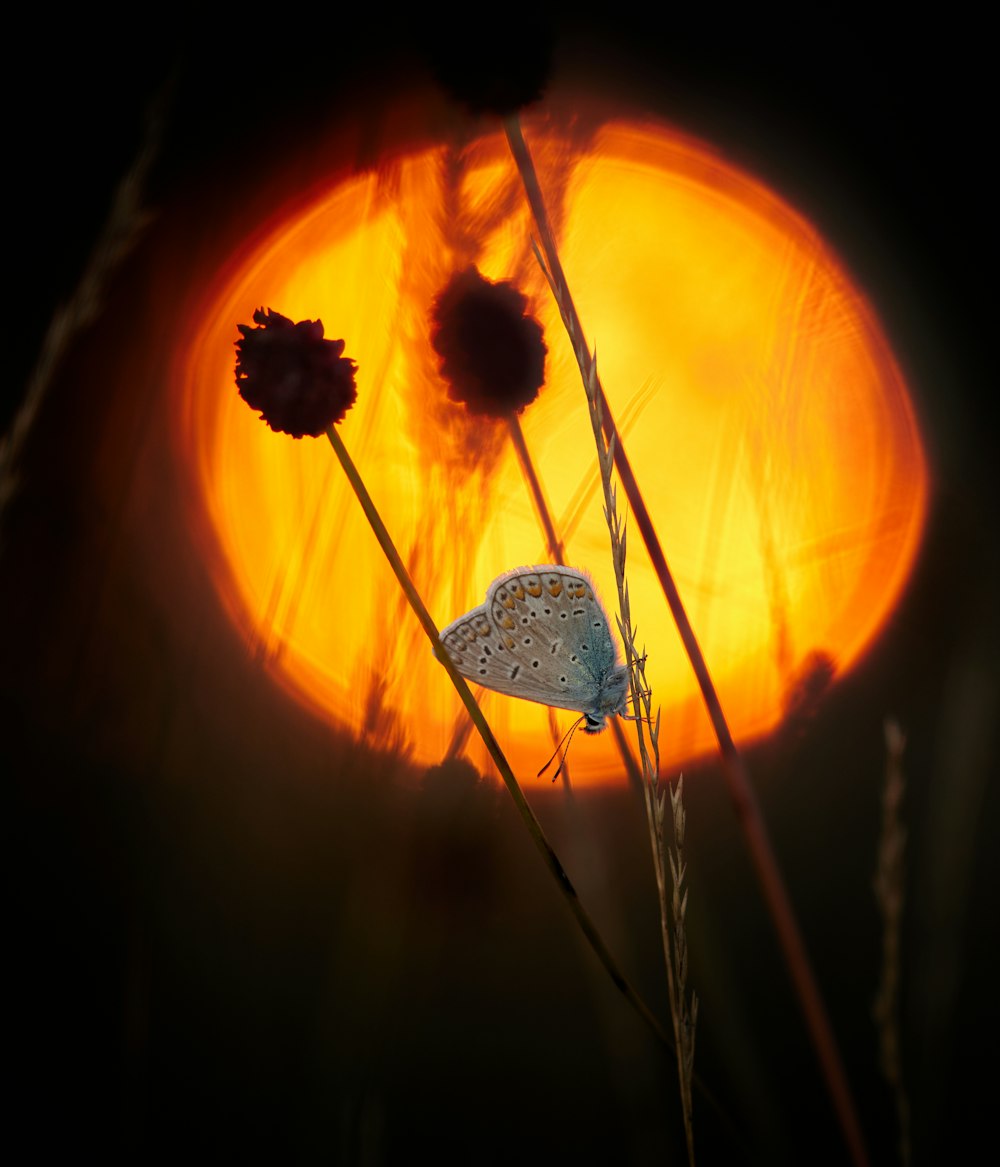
762	409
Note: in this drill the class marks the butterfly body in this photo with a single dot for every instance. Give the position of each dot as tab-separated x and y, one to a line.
543	635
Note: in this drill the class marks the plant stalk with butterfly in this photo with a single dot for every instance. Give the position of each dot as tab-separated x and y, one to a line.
492	360
751	821
302	384
668	855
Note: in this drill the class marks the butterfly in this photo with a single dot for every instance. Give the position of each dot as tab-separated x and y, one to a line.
543	635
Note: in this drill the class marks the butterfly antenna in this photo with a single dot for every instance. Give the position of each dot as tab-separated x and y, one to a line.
566	739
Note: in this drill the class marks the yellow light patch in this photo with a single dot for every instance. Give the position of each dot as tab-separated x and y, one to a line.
773	396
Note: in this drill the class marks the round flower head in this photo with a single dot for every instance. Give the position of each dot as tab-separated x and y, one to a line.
497	73
299	382
492	354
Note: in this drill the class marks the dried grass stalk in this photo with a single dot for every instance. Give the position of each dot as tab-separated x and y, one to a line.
673	900
673	903
751	821
889	886
534	827
126	221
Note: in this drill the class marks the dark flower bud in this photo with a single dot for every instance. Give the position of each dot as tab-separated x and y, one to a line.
807	688
492	354
299	382
496	72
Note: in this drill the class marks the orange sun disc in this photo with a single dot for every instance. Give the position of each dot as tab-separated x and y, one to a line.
769	426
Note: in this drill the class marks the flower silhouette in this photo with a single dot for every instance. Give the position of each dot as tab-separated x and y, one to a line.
492	354
299	382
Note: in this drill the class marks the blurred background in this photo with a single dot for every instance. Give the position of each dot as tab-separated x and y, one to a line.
237	934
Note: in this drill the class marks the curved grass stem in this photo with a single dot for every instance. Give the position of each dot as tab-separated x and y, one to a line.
556	548
741	792
549	856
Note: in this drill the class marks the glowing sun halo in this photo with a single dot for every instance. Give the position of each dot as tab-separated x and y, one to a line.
768	423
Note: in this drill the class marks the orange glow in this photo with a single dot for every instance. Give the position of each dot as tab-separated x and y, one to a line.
764	413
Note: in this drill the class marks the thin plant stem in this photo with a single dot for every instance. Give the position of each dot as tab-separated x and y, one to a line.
555	546
503	766
535	487
555	550
685	1015
741	792
890	895
127	219
672	907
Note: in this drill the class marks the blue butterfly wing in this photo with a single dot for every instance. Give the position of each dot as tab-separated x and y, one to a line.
542	635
